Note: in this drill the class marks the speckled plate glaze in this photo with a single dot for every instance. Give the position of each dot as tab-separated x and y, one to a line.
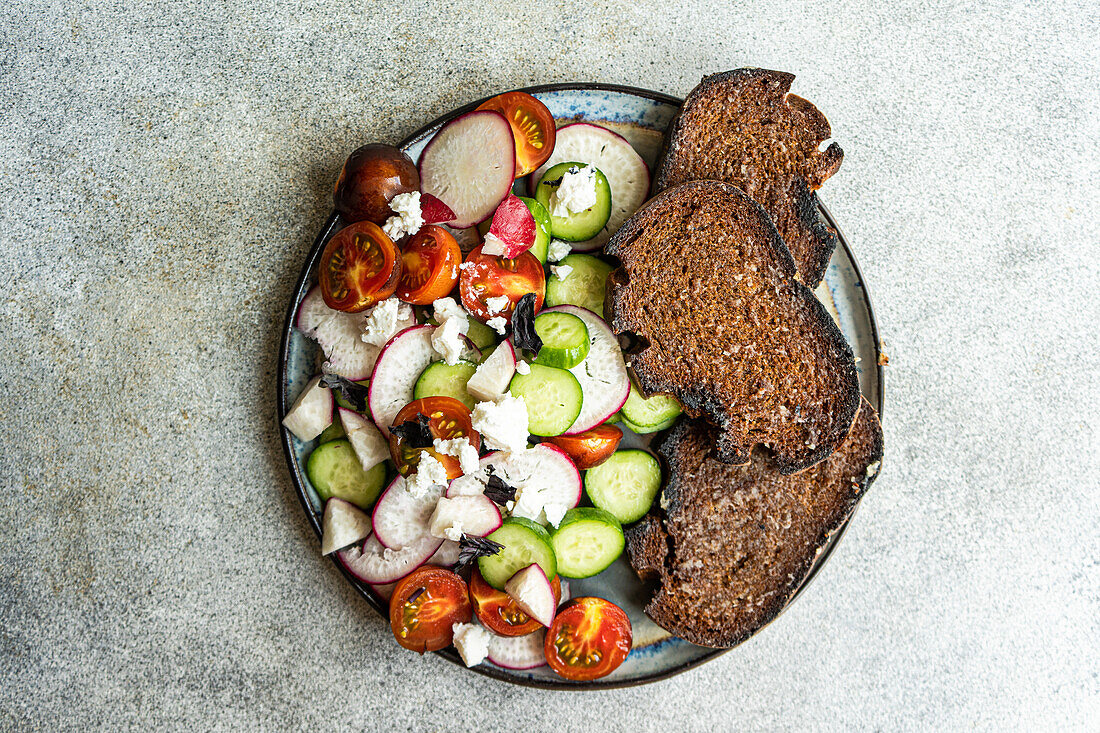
642	117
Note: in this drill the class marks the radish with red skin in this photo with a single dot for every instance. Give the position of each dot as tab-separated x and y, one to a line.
513	230
401	518
369	445
399	365
342	524
434	211
518	652
532	592
470	163
475	515
339	335
446	556
311	412
375	565
545	471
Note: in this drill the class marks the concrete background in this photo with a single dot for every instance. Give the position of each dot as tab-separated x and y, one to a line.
164	168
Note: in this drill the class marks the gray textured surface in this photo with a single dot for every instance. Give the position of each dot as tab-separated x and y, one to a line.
164	167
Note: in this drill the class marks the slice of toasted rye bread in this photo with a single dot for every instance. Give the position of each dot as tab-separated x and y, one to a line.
731	544
743	127
707	288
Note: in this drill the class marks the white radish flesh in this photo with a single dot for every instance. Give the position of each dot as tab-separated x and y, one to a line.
340	336
401	518
532	592
446	556
311	412
626	172
374	564
493	376
342	524
470	164
367	442
544	474
518	652
394	377
475	515
605	384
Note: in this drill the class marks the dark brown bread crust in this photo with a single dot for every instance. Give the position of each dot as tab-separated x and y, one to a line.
730	545
707	288
745	128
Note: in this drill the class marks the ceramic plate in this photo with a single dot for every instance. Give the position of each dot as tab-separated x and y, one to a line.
640	116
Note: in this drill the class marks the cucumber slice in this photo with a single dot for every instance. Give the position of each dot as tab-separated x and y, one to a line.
617	417
334	471
645	430
542	228
648	412
482	336
553	398
586	542
332	432
585	286
442	379
580	225
525	542
564	340
625	484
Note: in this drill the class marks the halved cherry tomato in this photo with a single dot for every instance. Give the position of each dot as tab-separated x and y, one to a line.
429	266
447	418
425	605
592	447
498	612
532	127
485	276
358	268
588	639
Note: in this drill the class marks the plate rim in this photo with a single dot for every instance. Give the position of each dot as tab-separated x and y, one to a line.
301	287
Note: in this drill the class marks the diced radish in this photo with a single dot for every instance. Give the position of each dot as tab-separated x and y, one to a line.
399	366
342	524
626	172
494	375
339	335
311	412
605	384
374	564
532	592
513	230
470	164
470	352
434	211
446	556
518	652
401	518
475	515
369	445
545	474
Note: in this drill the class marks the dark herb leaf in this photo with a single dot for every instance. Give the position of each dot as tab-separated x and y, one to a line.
523	325
354	394
415	596
555	182
471	548
497	490
415	433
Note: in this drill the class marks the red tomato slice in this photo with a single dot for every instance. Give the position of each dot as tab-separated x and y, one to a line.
425	605
532	127
498	612
590	448
429	266
358	268
588	639
484	276
447	418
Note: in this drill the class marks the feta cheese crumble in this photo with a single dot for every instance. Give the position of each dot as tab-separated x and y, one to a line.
498	324
531	504
575	193
461	449
497	304
493	245
472	643
561	271
523	367
386	319
409	218
453	324
502	424
558	250
429	472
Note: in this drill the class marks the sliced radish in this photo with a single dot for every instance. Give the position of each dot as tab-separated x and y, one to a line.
470	163
383	590
513	230
369	445
605	384
434	211
493	376
399	366
311	412
339	335
374	564
545	475
401	518
518	652
626	172
475	515
446	556
532	592
342	524
467	238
